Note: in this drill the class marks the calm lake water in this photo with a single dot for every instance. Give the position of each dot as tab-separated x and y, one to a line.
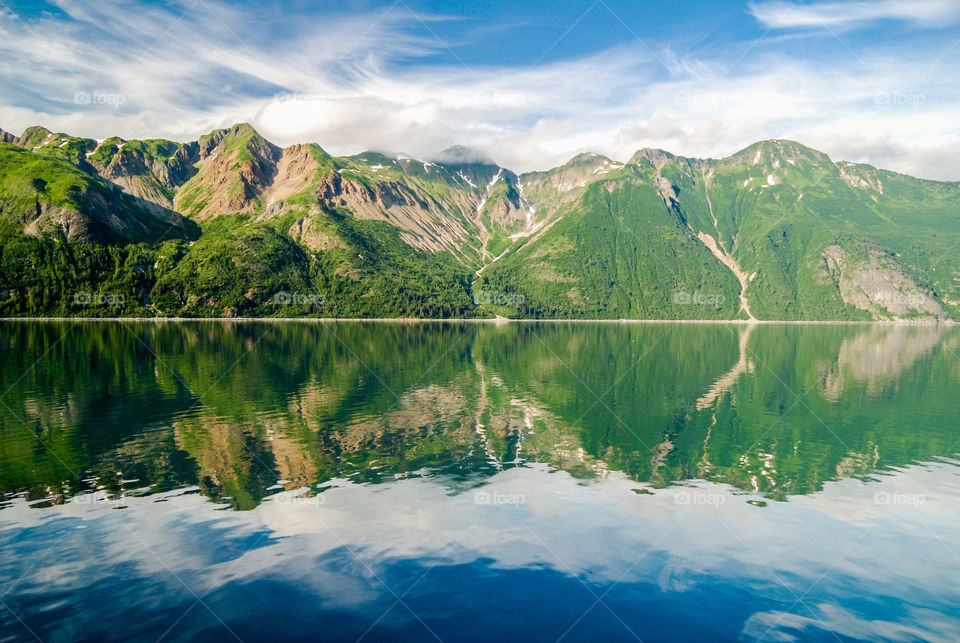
469	482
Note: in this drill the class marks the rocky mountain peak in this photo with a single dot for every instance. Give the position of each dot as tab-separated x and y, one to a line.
777	152
654	156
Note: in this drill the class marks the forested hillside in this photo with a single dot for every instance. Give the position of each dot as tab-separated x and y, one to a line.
231	225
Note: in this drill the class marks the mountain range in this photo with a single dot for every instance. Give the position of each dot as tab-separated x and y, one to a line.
231	225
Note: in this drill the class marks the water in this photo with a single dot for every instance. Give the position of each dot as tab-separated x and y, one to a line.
467	482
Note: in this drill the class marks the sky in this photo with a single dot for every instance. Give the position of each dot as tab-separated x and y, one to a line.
526	84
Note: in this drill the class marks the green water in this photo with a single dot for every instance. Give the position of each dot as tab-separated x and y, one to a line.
235	407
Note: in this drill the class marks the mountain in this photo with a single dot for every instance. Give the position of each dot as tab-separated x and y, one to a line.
792	234
50	187
233	225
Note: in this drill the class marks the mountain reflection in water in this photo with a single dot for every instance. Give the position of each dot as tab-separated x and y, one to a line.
471	481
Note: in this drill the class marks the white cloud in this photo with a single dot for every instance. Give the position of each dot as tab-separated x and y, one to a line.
341	86
780	15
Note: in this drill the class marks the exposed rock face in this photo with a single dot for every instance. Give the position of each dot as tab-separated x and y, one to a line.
457	204
333	189
296	171
238	172
33	137
879	284
666	191
544	197
150	179
235	167
76	206
505	213
549	191
100	221
761	213
306	231
427	224
148	171
777	154
863	177
68	223
656	158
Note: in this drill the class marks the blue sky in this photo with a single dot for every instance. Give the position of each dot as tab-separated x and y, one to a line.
528	84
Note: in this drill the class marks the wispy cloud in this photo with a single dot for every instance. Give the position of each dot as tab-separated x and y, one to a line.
783	15
354	82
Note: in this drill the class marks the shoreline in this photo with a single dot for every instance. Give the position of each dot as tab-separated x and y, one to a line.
498	320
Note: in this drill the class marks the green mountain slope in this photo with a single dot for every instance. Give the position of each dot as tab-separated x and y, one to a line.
776	231
46	196
617	253
825	240
802	237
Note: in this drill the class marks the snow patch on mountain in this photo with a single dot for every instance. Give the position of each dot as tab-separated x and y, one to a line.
494	180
